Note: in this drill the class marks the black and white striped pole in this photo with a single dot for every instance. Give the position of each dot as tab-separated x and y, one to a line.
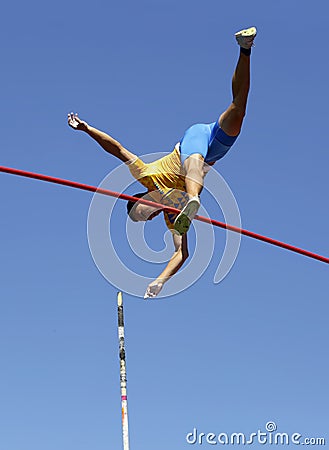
123	374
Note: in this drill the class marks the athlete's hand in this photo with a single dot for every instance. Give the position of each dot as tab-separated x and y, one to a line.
76	123
153	289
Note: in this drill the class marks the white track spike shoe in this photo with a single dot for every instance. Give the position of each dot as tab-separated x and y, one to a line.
185	217
245	38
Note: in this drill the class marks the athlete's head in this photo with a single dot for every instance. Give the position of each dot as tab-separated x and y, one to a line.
139	212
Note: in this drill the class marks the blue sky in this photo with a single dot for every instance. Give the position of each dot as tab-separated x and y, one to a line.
221	358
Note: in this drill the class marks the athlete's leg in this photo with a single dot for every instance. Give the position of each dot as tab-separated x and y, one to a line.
231	120
194	174
230	125
194	148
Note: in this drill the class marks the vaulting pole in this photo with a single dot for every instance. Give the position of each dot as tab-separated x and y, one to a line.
123	374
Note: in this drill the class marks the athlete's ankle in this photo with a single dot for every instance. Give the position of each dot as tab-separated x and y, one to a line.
194	197
245	51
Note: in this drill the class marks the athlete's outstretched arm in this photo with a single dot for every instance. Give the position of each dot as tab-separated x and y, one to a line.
175	263
107	142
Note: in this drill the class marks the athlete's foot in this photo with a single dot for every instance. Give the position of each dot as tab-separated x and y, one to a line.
245	38
185	217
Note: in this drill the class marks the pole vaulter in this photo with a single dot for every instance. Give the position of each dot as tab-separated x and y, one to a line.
216	223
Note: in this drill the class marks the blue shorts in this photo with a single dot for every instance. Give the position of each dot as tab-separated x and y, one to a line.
208	140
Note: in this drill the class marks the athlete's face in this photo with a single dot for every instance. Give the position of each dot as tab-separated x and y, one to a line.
141	213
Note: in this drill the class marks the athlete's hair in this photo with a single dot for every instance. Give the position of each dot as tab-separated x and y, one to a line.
130	204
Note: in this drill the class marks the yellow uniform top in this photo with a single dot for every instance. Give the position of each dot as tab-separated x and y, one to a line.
165	176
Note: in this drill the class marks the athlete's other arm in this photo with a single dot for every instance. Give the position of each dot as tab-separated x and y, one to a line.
107	142
174	264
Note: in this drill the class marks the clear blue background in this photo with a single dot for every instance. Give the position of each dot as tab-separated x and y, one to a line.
222	358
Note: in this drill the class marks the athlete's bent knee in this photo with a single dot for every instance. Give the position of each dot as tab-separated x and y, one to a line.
239	111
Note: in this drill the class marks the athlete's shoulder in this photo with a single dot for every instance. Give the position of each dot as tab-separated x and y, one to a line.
137	168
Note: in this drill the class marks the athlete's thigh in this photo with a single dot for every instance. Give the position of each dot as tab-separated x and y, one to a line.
195	141
231	120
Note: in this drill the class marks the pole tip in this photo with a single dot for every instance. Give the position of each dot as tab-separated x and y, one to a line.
119	298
